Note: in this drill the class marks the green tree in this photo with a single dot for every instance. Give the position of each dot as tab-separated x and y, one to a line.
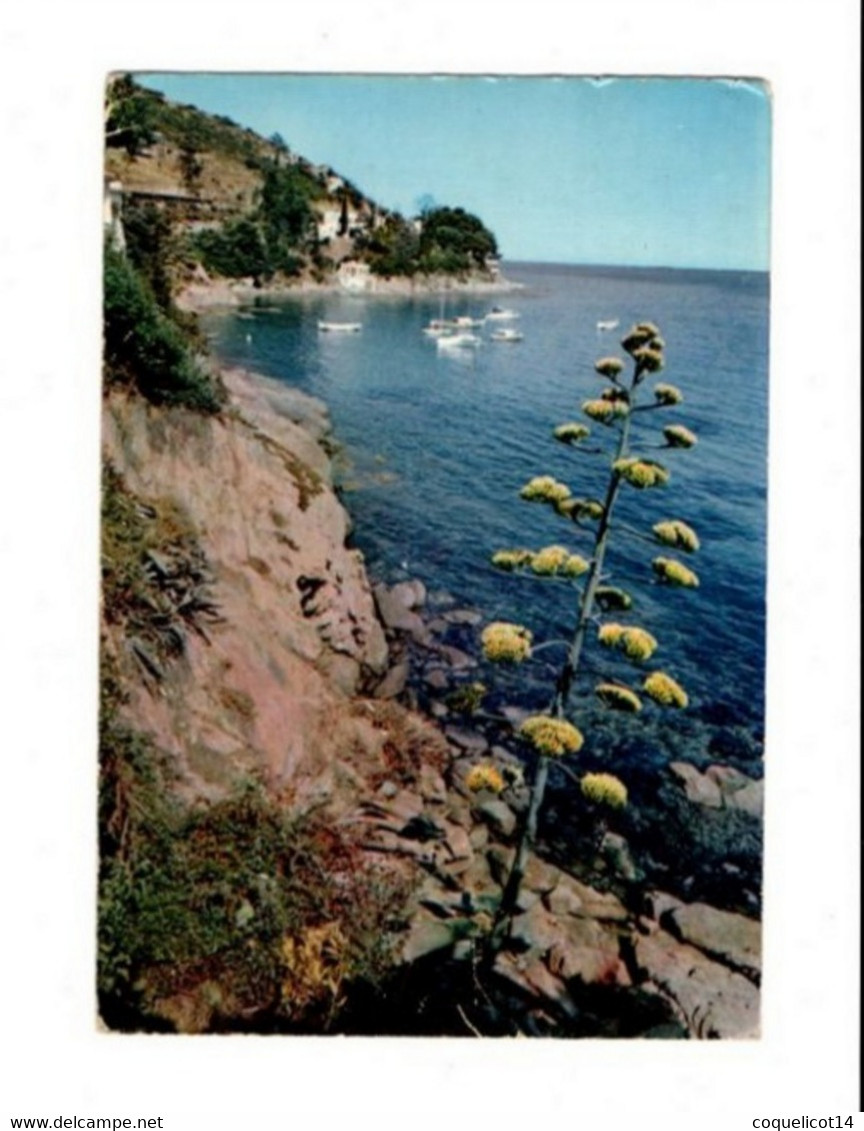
553	735
130	116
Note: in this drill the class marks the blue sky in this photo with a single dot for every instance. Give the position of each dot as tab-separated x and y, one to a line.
659	172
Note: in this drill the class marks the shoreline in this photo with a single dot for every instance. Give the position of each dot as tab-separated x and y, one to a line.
212	294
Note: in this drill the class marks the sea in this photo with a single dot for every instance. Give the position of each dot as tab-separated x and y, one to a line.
435	446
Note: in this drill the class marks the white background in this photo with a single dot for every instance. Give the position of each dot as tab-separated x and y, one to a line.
52	70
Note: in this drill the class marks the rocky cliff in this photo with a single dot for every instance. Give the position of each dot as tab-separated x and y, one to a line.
250	649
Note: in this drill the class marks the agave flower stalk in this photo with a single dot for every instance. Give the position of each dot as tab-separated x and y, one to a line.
551	735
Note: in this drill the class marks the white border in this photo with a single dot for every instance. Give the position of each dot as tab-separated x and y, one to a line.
53	66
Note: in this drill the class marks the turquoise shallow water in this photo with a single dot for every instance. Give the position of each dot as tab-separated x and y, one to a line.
437	447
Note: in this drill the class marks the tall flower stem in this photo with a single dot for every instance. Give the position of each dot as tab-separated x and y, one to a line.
528	832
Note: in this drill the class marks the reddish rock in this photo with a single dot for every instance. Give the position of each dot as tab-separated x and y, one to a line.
713	1000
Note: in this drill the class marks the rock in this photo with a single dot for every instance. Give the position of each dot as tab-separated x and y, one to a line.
539	876
457	841
713	1000
571	897
438	710
393	682
477	878
616	851
431	785
590	952
440	900
426	936
526	898
733	939
395	614
462	616
459	812
410	594
437	679
400	807
657	903
564	901
750	799
535	929
479	837
515	715
500	859
469	741
534	979
498	816
456	659
388	789
697	787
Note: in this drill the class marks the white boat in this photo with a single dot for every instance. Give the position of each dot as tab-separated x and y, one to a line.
507	335
497	314
438	328
465	322
458	341
608	324
340	327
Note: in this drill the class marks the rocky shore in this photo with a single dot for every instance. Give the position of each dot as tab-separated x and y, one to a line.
357	700
204	293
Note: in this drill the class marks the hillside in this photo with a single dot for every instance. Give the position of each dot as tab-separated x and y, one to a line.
244	207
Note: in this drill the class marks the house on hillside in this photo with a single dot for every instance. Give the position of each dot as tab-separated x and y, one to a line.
112	213
354	275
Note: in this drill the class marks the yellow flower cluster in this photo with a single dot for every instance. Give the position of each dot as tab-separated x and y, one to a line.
545	489
667	569
604	789
608	597
663	689
580	508
604	412
485	776
618	698
511	559
506	643
609	366
668	394
551	737
674	532
571	432
648	359
641	473
553	560
677	436
635	643
639	336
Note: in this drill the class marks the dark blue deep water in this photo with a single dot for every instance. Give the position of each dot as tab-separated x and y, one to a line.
436	448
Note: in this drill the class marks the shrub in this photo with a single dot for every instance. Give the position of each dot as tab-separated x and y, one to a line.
143	348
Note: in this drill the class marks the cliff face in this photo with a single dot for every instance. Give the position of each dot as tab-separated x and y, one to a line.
298	635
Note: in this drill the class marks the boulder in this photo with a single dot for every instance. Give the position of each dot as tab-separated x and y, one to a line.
532	977
713	1000
590	952
469	741
394	681
733	939
498	816
410	594
535	929
571	897
697	787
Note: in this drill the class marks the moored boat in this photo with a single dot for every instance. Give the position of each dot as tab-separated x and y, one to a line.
498	314
507	335
340	327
